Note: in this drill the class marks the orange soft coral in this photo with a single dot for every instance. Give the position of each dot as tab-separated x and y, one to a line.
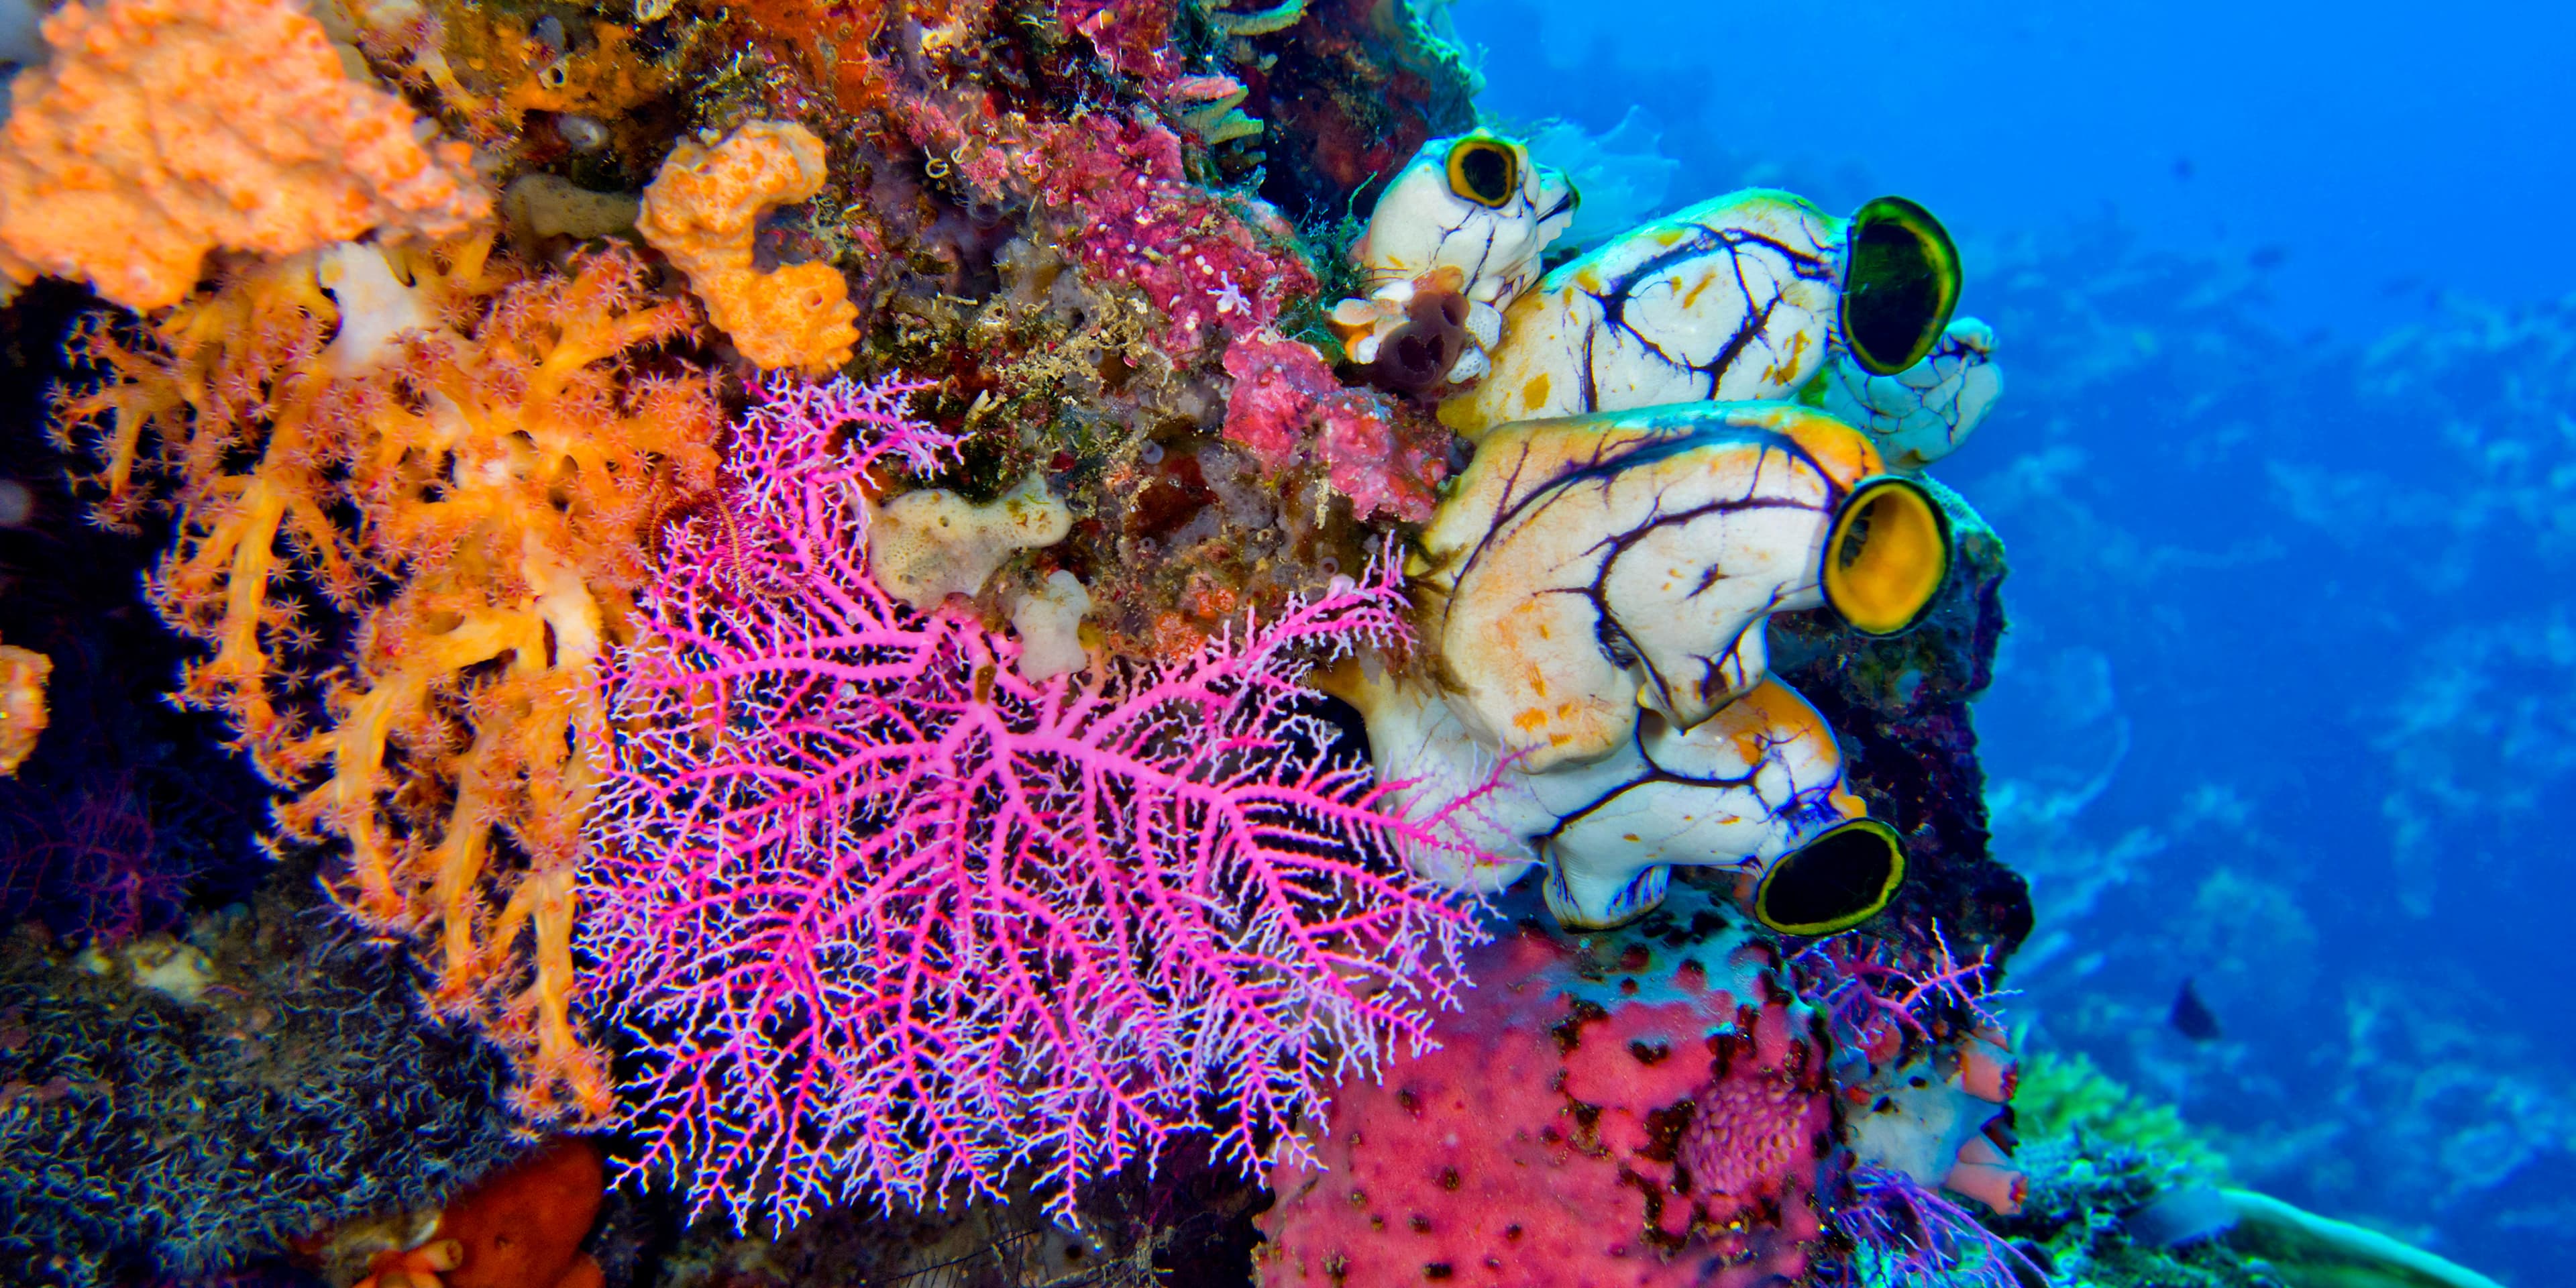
162	129
703	211
478	496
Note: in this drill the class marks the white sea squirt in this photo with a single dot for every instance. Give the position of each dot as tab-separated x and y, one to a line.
1739	298
1759	790
1457	234
1585	567
1923	413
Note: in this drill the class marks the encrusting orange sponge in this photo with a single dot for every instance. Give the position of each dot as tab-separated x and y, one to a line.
522	1227
162	129
703	210
22	704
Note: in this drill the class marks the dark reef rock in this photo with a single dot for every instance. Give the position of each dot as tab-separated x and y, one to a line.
1358	87
1181	1223
146	1135
128	810
1901	705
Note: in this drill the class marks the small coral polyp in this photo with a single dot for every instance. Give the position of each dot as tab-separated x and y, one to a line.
479	499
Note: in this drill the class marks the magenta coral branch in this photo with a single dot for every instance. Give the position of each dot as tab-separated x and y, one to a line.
1871	998
1914	1236
891	920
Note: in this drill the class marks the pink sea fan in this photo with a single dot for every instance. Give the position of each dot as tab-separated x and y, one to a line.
890	921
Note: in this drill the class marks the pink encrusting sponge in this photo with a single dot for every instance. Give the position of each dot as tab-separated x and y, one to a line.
1645	1106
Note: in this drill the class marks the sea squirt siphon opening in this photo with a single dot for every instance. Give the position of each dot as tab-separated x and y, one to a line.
1834	882
1900	287
1887	556
1484	171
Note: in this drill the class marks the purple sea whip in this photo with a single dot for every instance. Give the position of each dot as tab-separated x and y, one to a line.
890	921
1919	1237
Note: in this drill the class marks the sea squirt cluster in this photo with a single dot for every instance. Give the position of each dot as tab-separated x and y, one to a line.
788	561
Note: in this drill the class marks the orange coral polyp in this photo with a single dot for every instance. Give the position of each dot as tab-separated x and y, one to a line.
162	129
703	211
504	473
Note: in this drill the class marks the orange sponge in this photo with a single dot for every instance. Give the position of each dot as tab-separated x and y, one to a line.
22	704
520	1228
161	129
703	211
523	1228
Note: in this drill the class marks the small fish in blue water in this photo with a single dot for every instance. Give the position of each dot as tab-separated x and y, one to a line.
2192	1017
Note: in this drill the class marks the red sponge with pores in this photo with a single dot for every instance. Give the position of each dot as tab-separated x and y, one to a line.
1655	1119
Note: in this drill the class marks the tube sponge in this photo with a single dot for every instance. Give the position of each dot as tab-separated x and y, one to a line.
162	129
1049	623
703	211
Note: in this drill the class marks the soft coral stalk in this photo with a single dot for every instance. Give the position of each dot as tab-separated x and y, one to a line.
893	921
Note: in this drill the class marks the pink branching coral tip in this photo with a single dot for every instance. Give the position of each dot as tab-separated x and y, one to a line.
891	921
1875	999
1914	1235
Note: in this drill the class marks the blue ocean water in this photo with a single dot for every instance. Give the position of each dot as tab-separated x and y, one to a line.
2360	158
2287	468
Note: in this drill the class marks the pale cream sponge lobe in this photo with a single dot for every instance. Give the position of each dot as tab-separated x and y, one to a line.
925	546
1049	622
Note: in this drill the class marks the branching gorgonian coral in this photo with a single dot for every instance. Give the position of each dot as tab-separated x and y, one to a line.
890	920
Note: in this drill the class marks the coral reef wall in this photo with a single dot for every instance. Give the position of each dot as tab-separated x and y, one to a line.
780	566
1901	708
